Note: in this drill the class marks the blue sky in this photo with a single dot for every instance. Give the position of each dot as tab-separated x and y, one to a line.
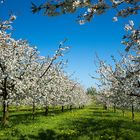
101	36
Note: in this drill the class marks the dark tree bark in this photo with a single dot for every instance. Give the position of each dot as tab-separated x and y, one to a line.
46	110
62	108
5	116
70	107
105	106
114	107
5	103
132	107
33	110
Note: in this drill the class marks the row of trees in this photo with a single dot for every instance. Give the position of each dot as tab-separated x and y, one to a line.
26	78
120	84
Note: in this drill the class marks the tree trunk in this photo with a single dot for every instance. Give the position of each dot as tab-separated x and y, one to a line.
114	107
62	109
46	110
132	112
5	104
105	106
5	113
33	110
70	107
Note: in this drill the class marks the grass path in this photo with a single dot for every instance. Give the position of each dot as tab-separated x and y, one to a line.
91	123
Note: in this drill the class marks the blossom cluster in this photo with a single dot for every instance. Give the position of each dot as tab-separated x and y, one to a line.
120	84
26	77
90	8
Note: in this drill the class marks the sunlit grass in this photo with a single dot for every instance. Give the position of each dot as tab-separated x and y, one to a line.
90	123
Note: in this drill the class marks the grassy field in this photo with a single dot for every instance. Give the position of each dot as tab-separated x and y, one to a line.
91	123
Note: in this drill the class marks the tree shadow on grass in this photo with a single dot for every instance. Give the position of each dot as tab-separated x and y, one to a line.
50	135
92	131
26	117
104	127
93	128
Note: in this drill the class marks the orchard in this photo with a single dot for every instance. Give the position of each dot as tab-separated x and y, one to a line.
39	97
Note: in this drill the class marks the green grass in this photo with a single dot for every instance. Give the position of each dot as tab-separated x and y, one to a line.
91	123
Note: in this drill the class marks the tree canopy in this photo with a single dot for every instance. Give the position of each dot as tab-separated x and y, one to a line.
89	8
